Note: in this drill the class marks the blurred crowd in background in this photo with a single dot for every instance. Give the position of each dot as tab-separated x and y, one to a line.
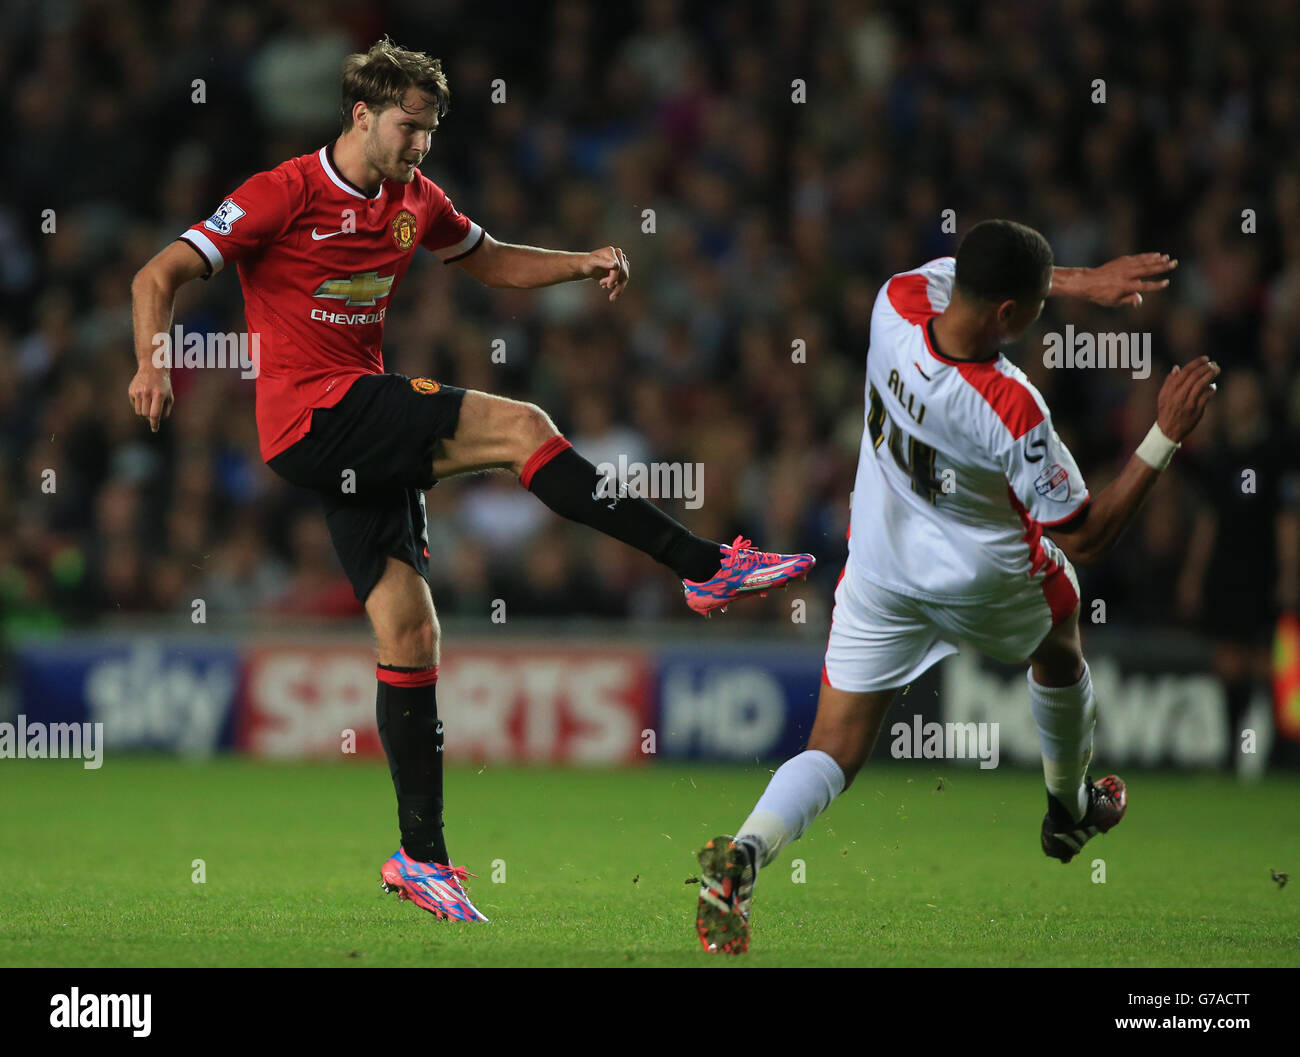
775	222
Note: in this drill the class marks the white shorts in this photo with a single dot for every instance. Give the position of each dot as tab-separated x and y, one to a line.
881	639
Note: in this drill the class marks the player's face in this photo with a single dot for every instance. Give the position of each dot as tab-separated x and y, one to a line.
399	138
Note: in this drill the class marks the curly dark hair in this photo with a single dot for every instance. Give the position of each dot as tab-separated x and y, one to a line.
381	77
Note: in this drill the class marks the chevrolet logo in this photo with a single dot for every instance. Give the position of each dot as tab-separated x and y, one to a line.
364	288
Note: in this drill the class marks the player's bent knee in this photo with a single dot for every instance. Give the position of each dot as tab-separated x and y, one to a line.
409	643
529	428
531	423
499	432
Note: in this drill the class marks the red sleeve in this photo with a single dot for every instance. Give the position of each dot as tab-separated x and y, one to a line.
450	234
254	214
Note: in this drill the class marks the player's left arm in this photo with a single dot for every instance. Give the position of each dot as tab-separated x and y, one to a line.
1117	283
524	267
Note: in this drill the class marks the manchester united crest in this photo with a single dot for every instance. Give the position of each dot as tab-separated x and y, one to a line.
404	229
425	385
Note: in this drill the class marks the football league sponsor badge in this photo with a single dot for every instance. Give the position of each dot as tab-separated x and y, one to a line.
1053	483
224	218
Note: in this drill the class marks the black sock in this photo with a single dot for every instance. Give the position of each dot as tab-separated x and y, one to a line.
406	709
573	488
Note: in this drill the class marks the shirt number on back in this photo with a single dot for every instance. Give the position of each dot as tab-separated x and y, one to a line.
913	457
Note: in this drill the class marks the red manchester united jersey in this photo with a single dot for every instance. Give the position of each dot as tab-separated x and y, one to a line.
319	262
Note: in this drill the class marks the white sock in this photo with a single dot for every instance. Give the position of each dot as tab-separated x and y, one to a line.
801	789
1065	716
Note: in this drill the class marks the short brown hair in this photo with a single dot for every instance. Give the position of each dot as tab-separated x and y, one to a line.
381	76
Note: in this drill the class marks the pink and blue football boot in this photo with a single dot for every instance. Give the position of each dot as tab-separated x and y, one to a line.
745	571
436	888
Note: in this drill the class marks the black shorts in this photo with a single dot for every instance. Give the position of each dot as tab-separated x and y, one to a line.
370	458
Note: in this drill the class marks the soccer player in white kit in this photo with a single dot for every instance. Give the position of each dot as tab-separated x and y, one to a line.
966	514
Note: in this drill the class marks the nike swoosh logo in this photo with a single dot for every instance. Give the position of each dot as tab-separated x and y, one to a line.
317	238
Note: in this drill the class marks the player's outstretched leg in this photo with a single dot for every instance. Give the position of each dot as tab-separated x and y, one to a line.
494	432
1065	711
843	735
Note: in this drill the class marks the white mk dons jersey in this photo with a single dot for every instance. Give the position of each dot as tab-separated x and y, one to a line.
960	467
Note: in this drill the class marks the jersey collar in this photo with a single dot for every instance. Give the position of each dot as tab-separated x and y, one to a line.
326	156
933	346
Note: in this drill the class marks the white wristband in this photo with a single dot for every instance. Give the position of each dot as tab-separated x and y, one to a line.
1156	450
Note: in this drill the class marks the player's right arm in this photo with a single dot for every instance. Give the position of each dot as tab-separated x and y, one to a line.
1116	284
256	213
1097	528
153	303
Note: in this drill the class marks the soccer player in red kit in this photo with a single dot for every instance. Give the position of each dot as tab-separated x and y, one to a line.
322	243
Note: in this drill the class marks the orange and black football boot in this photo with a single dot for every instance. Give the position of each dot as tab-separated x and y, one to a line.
727	873
1063	837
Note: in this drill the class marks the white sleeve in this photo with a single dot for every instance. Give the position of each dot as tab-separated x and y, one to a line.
942	274
1044	476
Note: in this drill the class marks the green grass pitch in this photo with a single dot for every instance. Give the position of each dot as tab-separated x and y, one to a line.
96	867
